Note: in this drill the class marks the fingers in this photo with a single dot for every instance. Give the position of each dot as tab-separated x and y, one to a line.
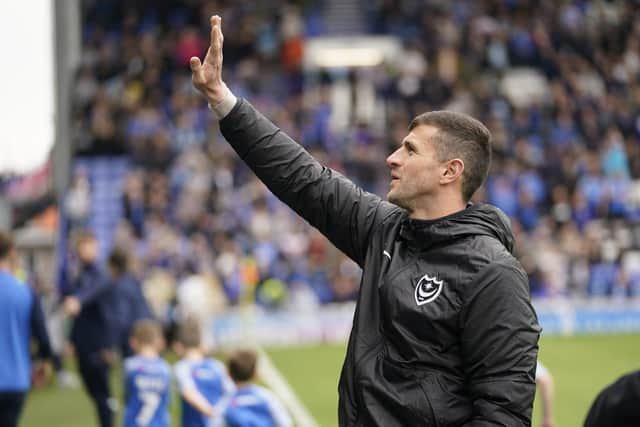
216	28
206	75
195	64
214	56
197	74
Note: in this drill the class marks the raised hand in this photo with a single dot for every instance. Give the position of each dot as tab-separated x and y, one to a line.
207	75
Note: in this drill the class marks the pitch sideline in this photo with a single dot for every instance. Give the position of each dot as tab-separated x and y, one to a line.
274	379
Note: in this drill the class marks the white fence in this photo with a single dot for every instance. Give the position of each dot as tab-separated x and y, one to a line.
332	323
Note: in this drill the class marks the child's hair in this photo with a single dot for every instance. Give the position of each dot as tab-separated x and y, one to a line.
242	365
189	334
147	332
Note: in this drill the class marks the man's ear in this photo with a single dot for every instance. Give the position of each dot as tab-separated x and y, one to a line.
453	170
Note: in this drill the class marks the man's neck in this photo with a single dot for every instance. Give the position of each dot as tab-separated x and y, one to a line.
438	207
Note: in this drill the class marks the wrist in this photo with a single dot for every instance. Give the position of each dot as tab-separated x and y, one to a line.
216	95
222	102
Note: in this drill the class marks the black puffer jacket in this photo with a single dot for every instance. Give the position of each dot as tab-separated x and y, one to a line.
444	333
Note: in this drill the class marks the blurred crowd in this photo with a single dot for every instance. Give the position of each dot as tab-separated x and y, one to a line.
566	157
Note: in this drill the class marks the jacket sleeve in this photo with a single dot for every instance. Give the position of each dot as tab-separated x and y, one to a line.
500	347
343	212
142	309
89	294
101	295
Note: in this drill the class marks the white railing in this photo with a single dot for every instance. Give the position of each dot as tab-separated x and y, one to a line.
332	323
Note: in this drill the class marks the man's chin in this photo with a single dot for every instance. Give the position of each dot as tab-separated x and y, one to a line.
392	198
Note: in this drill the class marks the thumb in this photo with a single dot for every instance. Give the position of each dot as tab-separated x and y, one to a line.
195	63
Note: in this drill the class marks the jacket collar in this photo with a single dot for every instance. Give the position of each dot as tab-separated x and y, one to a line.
475	219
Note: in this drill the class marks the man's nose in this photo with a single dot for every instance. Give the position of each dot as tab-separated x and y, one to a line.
393	159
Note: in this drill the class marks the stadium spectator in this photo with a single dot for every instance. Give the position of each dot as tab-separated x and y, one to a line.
435	171
250	404
77	200
21	322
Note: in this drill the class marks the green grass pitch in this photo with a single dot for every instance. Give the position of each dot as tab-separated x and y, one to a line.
581	366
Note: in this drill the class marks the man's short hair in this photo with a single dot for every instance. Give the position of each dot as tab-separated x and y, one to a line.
147	332
6	244
119	260
460	136
242	365
189	334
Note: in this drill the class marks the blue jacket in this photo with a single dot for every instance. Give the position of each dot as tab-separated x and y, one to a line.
21	320
129	305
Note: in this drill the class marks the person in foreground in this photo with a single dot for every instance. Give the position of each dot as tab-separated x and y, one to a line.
21	323
618	404
147	379
251	405
444	332
203	382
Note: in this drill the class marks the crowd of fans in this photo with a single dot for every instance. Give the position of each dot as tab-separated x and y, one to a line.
564	164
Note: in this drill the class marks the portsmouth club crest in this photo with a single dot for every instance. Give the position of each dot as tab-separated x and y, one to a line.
428	289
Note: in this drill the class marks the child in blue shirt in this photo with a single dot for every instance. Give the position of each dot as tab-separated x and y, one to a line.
147	379
252	405
203	382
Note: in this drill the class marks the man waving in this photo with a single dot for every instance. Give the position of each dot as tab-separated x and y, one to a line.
444	333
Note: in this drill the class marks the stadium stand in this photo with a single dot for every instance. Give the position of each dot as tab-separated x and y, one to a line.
559	86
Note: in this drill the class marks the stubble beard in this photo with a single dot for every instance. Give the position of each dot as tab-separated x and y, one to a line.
396	200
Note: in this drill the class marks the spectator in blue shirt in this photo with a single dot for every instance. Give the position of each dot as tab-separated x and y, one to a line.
21	321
